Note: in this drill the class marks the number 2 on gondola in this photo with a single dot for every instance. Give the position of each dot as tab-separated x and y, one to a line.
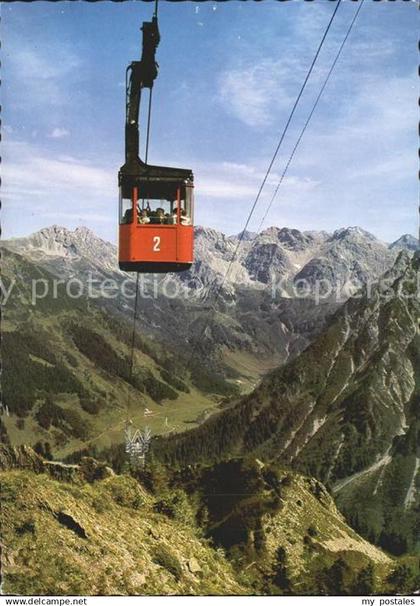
156	244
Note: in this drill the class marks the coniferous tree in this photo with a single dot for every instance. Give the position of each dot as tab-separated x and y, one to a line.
281	576
365	581
401	578
334	578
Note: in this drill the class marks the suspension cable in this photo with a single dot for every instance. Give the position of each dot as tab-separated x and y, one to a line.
305	126
149	117
283	134
270	166
132	345
133	334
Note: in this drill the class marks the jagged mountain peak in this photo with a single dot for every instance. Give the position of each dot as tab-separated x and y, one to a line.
201	230
59	248
52	230
59	231
405	242
290	238
270	232
58	239
320	235
209	239
244	235
293	239
353	232
85	233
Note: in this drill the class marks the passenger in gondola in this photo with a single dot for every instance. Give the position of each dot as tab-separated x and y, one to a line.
128	216
172	220
160	214
185	220
153	217
143	217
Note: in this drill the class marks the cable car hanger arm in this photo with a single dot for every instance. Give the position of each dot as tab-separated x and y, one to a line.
140	74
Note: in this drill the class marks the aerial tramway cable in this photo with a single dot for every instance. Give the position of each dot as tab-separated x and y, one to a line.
133	336
136	299
305	126
268	171
283	134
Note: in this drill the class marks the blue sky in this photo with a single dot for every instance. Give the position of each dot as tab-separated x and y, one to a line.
229	74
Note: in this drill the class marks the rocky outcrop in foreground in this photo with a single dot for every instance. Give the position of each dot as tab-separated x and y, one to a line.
113	537
24	457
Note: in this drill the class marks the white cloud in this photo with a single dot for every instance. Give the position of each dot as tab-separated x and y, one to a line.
257	92
225	192
40	188
212	187
36	180
47	82
357	159
224	181
264	82
59	133
372	133
86	218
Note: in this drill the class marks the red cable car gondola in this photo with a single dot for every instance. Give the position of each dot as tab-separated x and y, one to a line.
156	232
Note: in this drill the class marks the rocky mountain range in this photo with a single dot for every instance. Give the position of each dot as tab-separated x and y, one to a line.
346	410
274	254
271	301
279	257
249	330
